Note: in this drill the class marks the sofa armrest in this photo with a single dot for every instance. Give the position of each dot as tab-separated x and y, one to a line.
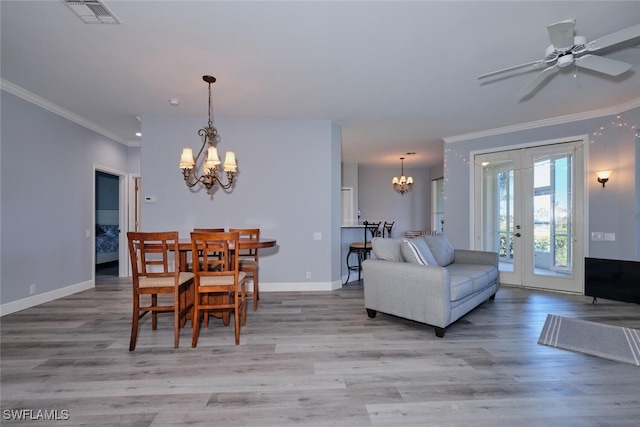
417	292
465	256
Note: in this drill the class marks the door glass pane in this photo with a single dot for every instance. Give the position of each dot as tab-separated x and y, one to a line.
498	220
552	216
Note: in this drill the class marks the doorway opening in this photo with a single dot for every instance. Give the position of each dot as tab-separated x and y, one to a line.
107	224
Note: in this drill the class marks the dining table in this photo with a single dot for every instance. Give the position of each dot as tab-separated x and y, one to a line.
184	247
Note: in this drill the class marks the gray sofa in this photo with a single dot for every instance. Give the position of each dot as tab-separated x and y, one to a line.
426	280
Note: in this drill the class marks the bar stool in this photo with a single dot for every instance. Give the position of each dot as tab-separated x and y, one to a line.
386	229
362	249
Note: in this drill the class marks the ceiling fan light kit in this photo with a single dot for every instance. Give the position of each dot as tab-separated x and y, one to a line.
566	50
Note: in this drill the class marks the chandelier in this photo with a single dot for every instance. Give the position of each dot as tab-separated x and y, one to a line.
404	184
209	164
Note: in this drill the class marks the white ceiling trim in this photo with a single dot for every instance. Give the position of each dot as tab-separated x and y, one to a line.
634	103
56	109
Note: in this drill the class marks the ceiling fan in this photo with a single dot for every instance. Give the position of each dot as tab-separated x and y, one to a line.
567	49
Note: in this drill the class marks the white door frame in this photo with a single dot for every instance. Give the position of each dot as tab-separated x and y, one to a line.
580	183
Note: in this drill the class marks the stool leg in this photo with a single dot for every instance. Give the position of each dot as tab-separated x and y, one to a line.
348	268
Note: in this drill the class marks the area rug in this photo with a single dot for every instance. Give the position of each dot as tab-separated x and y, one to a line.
595	339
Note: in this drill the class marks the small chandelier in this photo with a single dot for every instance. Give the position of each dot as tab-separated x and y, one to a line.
189	165
404	184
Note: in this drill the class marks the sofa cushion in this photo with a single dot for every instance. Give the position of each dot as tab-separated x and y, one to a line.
440	248
480	275
416	251
461	286
387	249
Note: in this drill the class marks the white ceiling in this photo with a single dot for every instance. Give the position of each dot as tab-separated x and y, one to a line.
397	76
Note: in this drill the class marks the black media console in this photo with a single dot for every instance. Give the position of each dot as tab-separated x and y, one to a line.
612	279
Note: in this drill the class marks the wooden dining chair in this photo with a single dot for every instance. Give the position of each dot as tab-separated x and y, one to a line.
190	266
249	261
219	283
156	270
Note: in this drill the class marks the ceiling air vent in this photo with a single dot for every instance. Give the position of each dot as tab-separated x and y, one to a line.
92	12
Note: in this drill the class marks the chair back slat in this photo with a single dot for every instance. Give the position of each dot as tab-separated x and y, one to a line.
151	252
371	228
214	250
248	233
386	229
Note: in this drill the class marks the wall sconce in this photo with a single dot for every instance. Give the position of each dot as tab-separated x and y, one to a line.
603	177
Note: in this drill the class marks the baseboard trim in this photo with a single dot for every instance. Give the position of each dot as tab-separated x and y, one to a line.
33	300
300	286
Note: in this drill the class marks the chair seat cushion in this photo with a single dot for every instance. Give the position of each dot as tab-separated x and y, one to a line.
248	263
164	281
221	280
360	245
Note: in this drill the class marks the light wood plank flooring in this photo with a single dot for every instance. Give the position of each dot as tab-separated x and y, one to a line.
314	359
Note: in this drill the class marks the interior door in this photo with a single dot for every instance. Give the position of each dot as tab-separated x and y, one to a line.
531	214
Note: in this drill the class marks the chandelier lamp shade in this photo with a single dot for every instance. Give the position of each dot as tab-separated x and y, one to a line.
207	159
403	184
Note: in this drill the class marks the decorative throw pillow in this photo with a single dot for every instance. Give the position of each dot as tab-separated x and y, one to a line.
416	251
440	248
386	249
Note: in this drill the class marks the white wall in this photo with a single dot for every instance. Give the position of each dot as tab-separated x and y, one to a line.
288	184
47	200
612	209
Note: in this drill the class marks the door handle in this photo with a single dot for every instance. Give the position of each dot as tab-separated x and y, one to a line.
517	234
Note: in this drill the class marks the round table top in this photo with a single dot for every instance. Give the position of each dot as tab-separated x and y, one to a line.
263	242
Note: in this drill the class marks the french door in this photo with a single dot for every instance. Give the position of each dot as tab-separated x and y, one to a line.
530	204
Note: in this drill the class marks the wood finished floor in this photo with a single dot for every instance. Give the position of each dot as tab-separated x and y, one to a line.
314	359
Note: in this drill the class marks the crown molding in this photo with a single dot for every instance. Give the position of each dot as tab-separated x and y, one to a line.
56	109
634	103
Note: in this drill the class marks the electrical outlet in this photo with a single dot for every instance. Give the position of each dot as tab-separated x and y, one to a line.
32	289
317	236
308	275
597	236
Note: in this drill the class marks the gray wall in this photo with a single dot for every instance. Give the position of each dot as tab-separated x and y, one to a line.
107	191
288	185
613	209
47	198
378	201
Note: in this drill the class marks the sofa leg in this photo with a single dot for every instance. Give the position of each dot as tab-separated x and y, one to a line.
492	297
371	313
440	331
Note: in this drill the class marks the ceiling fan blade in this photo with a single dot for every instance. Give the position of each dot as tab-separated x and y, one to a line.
561	34
533	65
538	81
614	38
603	65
